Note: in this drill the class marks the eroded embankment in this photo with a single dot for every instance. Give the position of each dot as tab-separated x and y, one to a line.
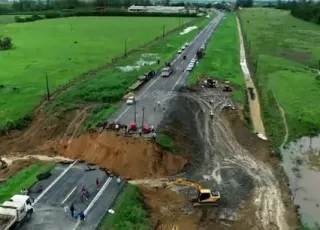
128	156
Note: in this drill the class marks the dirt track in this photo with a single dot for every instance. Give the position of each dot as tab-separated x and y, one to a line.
251	193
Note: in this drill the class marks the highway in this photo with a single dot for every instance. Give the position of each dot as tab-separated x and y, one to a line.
162	89
48	207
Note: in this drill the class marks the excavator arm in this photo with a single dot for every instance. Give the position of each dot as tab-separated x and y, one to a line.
182	181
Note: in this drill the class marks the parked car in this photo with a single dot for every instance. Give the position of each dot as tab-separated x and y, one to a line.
131	100
179	51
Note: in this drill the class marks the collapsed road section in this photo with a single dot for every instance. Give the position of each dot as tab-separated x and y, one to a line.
65	188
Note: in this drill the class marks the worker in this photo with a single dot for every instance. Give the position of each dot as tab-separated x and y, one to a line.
72	209
158	61
159	103
184	57
162	109
140	132
152	128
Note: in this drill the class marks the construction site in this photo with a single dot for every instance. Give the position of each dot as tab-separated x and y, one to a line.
221	174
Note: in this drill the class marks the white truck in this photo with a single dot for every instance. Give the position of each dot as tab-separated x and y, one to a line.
15	211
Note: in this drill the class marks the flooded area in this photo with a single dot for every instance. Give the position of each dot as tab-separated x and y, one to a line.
301	161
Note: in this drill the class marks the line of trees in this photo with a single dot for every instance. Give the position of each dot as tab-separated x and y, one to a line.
306	10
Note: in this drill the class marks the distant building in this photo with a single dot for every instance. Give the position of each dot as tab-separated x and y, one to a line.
158	9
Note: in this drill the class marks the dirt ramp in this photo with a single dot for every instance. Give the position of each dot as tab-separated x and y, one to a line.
130	157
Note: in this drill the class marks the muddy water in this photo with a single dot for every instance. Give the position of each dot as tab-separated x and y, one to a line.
229	168
301	161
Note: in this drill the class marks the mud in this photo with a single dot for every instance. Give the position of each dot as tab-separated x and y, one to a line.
301	162
127	156
167	209
237	165
15	167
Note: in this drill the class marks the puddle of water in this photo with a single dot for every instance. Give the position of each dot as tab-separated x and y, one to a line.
145	60
301	162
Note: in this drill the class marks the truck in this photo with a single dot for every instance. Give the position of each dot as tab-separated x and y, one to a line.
15	211
200	53
167	70
147	76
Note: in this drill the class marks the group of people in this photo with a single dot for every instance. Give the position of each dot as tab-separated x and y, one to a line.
72	209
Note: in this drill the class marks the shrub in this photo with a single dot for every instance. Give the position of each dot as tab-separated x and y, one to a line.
5	43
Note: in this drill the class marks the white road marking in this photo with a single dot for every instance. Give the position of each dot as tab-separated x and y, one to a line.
72	191
126	110
54	182
94	200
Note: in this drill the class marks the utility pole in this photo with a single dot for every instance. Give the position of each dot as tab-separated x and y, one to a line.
135	113
163	30
48	92
142	115
125	47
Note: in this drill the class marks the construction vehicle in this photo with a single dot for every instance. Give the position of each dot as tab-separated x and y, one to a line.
251	93
204	195
133	127
15	211
146	129
226	87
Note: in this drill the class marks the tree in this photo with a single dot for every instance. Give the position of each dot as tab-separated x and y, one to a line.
5	43
244	3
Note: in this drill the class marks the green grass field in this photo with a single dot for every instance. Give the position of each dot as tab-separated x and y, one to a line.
64	48
130	212
5	19
222	57
23	179
288	51
104	90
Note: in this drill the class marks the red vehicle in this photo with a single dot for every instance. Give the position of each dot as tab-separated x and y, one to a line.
133	126
146	129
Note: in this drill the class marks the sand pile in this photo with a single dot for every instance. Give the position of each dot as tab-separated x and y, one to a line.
127	156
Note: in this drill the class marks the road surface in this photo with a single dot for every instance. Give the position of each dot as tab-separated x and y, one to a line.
48	208
161	89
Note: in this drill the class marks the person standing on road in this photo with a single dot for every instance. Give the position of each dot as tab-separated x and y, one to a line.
66	208
154	136
81	216
159	103
72	209
118	180
97	183
140	132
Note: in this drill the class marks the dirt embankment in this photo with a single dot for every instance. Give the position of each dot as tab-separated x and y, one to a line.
127	156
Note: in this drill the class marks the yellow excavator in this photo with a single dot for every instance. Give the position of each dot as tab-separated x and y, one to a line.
205	196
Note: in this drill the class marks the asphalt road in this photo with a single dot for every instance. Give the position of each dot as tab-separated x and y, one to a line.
162	89
48	209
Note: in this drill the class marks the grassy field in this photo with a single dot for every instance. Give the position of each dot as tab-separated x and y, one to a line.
222	57
130	212
5	19
23	179
287	50
64	48
107	87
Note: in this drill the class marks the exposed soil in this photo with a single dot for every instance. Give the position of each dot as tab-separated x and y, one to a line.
167	209
16	166
260	149
130	157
